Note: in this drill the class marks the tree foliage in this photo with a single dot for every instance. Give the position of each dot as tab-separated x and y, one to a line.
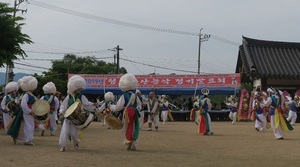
72	64
11	36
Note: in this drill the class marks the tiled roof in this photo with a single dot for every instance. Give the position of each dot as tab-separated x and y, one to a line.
272	59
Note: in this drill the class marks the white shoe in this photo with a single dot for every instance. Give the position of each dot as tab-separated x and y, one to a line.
62	149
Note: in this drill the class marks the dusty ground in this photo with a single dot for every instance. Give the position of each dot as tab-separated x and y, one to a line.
175	144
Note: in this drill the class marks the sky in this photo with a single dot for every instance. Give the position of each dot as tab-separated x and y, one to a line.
157	36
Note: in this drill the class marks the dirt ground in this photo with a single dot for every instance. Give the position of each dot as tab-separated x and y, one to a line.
174	144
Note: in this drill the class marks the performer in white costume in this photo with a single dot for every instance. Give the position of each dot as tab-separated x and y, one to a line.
232	104
165	109
294	104
104	109
153	110
11	89
28	84
143	101
278	124
75	84
50	90
132	106
260	118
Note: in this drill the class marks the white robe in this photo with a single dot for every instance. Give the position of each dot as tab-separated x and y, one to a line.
28	119
68	127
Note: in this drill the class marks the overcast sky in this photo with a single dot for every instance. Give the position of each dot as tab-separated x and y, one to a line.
94	27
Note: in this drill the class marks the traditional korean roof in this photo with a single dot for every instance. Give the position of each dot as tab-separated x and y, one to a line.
271	59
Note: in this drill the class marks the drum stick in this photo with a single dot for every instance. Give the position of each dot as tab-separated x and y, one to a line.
195	90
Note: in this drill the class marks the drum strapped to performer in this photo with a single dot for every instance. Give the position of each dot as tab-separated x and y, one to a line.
80	117
41	110
11	107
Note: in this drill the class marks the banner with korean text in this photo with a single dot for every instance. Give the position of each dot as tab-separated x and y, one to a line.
165	81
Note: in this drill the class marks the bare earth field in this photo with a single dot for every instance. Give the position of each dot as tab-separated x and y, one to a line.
174	144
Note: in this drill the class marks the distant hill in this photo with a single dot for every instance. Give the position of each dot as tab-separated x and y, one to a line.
16	77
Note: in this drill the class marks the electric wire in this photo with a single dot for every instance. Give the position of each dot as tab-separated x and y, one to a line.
133	64
151	65
107	20
123	23
34	66
117	22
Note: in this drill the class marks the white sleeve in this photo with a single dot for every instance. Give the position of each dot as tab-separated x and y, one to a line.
100	109
235	104
268	102
119	106
148	106
139	104
3	103
24	104
87	104
166	104
228	104
85	101
56	103
253	103
64	105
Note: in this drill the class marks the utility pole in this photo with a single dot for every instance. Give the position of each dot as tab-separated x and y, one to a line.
115	57
118	58
9	70
201	39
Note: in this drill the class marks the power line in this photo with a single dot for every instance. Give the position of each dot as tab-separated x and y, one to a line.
48	47
123	23
34	66
26	69
83	52
133	64
220	39
107	20
62	59
150	65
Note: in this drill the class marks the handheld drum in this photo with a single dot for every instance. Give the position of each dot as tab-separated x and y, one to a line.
80	117
41	110
113	122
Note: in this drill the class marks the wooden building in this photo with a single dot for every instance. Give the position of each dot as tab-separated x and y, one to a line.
276	63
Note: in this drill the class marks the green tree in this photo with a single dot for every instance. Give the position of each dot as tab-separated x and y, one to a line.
11	36
72	64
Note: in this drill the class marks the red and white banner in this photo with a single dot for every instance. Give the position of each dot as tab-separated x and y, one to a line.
165	81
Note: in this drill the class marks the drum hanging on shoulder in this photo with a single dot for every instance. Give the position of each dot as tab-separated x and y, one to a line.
78	116
11	107
41	110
